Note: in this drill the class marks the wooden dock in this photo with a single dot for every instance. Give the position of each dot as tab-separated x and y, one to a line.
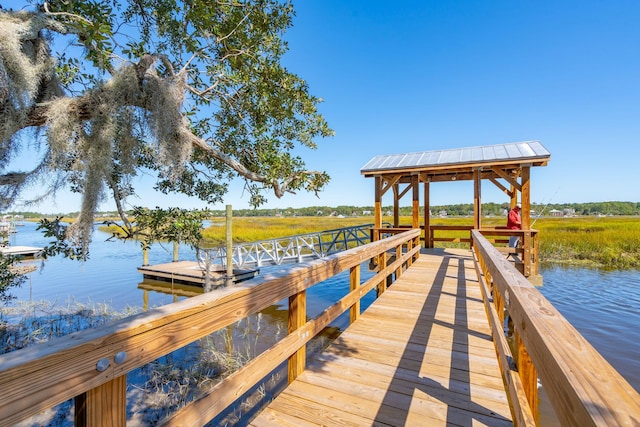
431	350
421	354
21	251
190	273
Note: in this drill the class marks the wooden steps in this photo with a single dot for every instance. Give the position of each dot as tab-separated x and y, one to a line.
420	355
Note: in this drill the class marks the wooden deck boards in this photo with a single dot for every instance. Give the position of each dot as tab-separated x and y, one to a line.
190	272
421	355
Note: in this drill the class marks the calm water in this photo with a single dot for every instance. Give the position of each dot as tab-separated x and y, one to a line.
603	305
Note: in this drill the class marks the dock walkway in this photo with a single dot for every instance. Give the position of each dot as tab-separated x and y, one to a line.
421	354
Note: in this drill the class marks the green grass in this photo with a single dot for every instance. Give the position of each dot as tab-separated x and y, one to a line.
609	242
251	229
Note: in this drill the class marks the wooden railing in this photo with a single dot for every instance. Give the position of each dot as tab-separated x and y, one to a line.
526	250
583	388
91	365
449	228
288	249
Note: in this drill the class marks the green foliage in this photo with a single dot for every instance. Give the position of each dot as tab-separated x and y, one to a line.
9	278
173	225
193	92
60	245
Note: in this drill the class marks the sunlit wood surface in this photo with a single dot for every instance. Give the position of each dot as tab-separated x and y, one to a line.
421	355
190	272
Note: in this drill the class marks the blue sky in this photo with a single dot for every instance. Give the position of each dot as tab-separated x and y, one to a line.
424	75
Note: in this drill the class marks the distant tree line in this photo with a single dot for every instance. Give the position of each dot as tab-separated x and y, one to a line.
464	209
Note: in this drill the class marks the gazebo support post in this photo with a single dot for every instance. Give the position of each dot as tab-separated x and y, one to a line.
525	218
377	209
477	199
427	217
396	205
415	204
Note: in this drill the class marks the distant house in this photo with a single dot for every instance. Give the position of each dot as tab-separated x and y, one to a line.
442	213
555	212
366	212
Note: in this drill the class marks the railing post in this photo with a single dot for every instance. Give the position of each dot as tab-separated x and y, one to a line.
536	247
526	255
229	243
382	264
105	405
320	244
398	256
176	251
528	375
354	283
297	318
145	256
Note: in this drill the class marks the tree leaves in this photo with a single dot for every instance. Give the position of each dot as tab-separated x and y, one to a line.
201	84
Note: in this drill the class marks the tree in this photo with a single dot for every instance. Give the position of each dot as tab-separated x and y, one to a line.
9	275
192	91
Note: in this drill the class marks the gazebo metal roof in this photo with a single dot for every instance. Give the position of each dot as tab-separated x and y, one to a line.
507	166
501	154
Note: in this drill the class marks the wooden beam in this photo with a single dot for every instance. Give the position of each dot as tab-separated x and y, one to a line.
396	206
105	405
377	208
477	202
427	216
406	190
297	319
525	214
415	205
390	182
504	175
354	284
504	189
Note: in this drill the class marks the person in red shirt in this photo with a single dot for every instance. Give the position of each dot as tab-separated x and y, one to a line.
514	223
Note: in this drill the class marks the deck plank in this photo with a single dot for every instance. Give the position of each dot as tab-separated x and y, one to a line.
421	354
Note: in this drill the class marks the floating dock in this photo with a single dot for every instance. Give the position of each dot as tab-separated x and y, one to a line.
22	251
190	273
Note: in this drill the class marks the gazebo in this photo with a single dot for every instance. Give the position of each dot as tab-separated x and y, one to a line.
507	166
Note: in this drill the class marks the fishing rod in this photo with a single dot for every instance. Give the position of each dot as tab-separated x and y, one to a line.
545	206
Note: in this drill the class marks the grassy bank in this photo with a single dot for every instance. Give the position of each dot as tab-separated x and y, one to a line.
608	242
599	242
251	229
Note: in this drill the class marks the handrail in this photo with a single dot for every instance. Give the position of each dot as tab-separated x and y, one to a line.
527	249
91	365
584	389
294	248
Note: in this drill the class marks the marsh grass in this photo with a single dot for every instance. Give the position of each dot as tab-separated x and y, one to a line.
597	242
606	242
251	229
26	323
159	387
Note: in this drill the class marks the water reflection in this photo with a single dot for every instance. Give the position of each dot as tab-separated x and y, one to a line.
604	306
